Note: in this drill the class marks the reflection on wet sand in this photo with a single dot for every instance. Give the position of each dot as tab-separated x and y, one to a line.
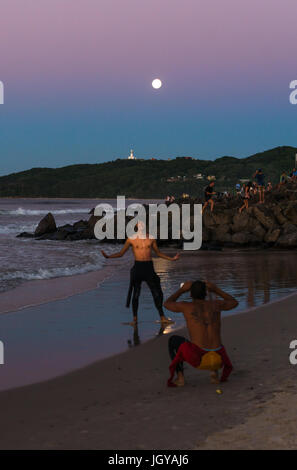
253	277
164	329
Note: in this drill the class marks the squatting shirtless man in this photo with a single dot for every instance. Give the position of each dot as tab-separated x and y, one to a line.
143	270
203	318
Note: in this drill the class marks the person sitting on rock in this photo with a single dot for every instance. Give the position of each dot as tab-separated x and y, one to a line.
269	186
284	178
293	174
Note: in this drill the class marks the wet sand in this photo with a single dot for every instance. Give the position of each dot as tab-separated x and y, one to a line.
53	338
123	403
38	292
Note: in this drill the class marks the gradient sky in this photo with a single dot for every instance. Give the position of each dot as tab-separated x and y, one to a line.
77	77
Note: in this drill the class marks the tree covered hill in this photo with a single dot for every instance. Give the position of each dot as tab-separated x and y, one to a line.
145	178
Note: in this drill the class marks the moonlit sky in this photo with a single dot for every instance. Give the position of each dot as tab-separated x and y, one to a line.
78	73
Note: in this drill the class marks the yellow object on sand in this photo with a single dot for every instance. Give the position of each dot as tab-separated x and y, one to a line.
210	361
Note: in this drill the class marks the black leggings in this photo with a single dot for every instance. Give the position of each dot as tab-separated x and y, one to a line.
144	271
174	343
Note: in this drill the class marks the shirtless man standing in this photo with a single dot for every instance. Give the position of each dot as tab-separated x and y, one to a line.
203	318
143	270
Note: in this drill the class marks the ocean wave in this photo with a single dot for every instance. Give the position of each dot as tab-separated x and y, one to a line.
44	273
22	211
12	229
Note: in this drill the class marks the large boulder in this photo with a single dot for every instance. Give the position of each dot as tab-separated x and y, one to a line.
291	212
287	240
208	219
272	235
46	225
241	238
264	217
221	234
223	218
278	214
205	234
240	222
258	233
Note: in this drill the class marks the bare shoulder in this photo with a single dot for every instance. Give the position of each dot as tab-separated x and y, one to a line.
181	307
187	306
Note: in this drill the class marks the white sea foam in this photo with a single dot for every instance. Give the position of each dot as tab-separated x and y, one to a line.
50	273
22	211
12	229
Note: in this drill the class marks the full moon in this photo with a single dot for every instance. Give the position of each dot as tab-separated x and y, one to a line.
156	84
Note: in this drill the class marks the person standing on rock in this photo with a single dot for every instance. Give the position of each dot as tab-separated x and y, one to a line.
260	178
246	196
143	270
209	192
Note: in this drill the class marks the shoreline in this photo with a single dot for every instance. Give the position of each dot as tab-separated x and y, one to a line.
36	292
79	410
42	291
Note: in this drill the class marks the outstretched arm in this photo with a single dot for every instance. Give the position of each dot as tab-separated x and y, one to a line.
161	255
172	304
229	301
120	253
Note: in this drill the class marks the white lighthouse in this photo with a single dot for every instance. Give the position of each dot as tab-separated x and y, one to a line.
131	156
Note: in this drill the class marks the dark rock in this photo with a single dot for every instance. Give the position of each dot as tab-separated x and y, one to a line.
46	225
240	222
265	217
258	233
291	212
272	235
241	238
277	211
287	240
80	225
221	234
25	235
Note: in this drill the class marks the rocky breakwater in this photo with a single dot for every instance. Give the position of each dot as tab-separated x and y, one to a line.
272	224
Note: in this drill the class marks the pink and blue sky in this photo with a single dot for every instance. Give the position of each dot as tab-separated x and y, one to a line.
77	77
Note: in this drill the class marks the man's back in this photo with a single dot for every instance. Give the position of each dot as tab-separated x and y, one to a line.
203	319
203	316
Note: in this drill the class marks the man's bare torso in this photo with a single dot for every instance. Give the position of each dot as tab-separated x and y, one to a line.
203	319
142	248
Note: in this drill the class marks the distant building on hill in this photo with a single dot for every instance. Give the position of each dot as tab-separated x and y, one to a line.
199	176
244	180
131	156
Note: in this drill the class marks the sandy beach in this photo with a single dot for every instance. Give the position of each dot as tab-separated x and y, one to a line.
123	403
